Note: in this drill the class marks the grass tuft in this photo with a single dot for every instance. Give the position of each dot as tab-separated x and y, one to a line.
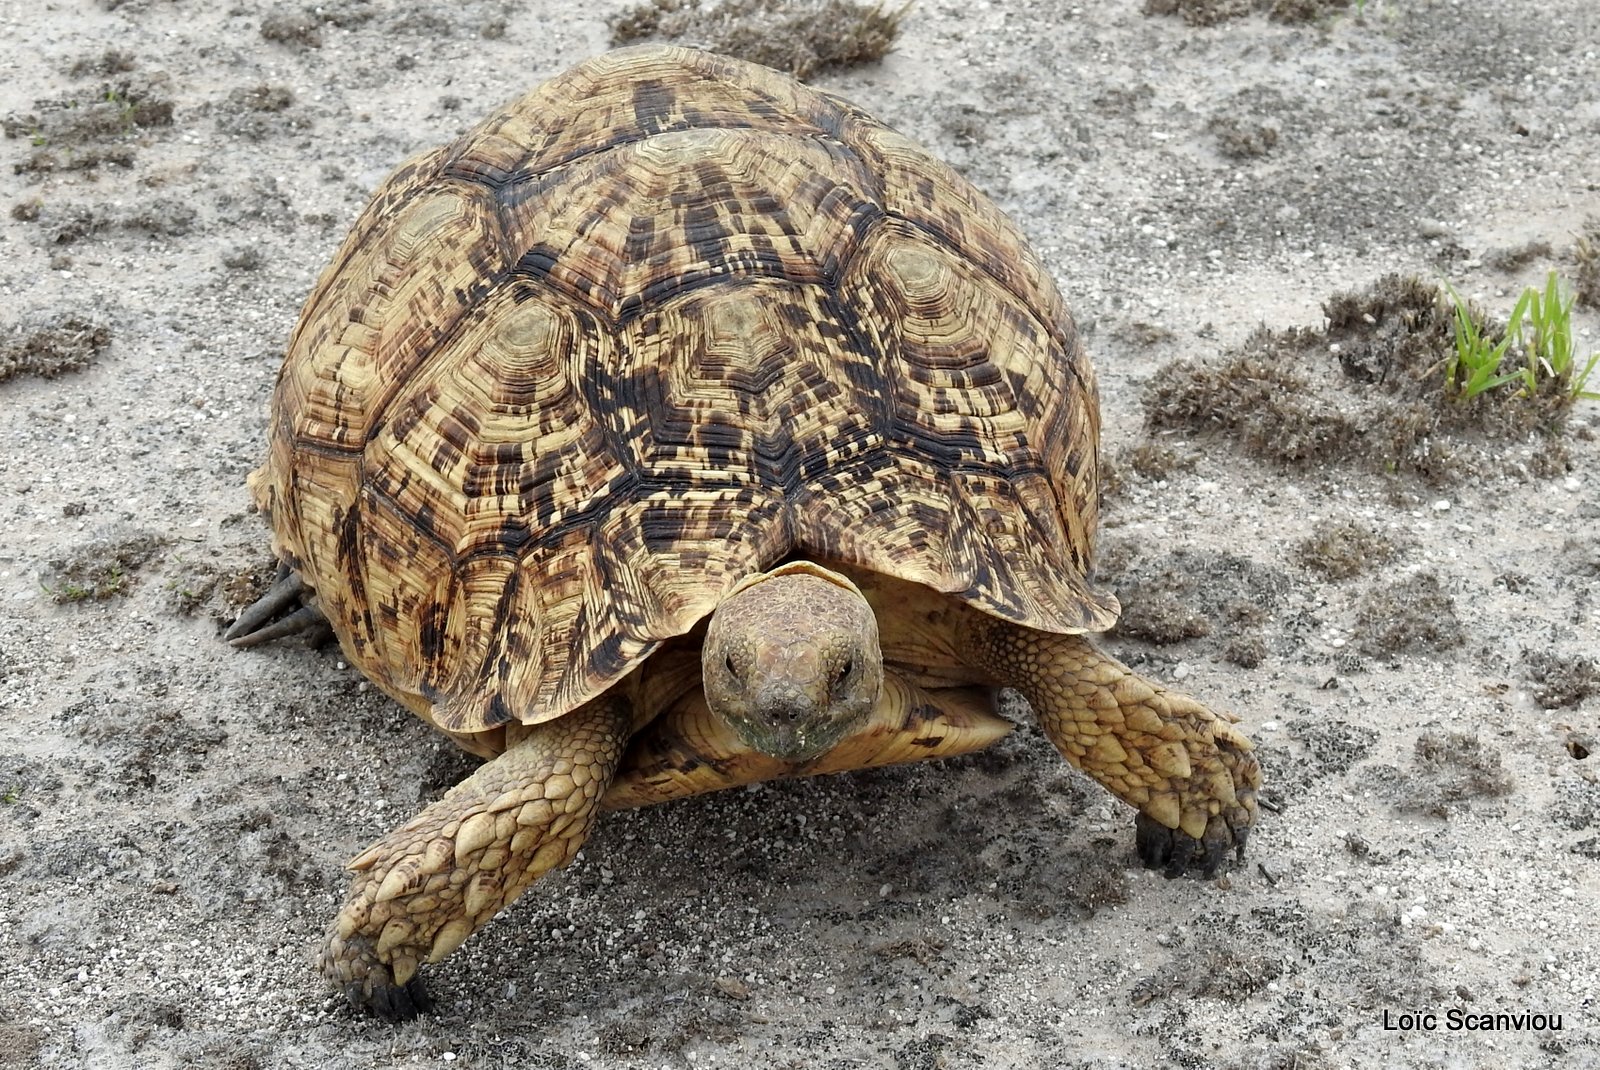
797	36
1538	332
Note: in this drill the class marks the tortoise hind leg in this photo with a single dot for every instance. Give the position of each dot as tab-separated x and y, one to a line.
426	886
1186	768
283	611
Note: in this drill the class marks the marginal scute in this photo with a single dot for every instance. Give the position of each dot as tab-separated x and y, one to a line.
667	321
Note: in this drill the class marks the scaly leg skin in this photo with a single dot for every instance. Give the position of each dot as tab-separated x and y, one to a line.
1189	772
428	885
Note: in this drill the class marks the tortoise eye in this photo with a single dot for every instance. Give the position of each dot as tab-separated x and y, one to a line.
845	670
727	663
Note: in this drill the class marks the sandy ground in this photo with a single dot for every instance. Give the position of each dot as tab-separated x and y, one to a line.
176	813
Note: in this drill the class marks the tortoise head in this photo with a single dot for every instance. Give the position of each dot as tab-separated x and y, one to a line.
791	661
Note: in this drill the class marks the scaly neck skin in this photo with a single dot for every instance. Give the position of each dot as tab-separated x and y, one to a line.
791	661
922	631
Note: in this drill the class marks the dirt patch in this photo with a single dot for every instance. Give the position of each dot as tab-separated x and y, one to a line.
801	38
297	29
217	588
68	345
1212	966
1185	595
1516	257
1333	747
1240	139
261	111
145	742
1370	388
158	217
97	125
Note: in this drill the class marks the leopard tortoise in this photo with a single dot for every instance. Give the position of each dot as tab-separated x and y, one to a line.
681	426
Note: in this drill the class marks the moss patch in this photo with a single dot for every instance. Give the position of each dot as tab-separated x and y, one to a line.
798	36
101	568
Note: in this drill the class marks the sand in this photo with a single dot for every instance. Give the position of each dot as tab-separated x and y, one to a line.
176	813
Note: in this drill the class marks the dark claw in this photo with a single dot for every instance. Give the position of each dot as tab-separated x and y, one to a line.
302	620
280	612
394	1003
352	964
1175	852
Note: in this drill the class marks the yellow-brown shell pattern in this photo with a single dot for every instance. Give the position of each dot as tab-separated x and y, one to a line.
668	320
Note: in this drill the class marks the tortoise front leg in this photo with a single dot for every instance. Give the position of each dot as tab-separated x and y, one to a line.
428	885
1186	768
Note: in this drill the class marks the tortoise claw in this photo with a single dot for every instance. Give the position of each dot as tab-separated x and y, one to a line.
281	612
1175	852
389	1001
368	983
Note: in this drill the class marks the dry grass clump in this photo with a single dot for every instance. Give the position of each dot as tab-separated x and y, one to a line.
53	349
1586	251
1414	616
1370	389
1213	12
1561	681
1453	768
1345	549
798	36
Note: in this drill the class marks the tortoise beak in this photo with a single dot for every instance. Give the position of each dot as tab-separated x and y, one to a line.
790	724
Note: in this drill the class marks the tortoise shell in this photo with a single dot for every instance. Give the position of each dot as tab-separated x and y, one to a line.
667	321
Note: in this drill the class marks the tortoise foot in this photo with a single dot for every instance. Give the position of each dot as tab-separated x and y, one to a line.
1200	820
353	965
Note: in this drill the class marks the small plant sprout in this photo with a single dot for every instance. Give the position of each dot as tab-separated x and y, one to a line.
1540	328
1475	365
1549	351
